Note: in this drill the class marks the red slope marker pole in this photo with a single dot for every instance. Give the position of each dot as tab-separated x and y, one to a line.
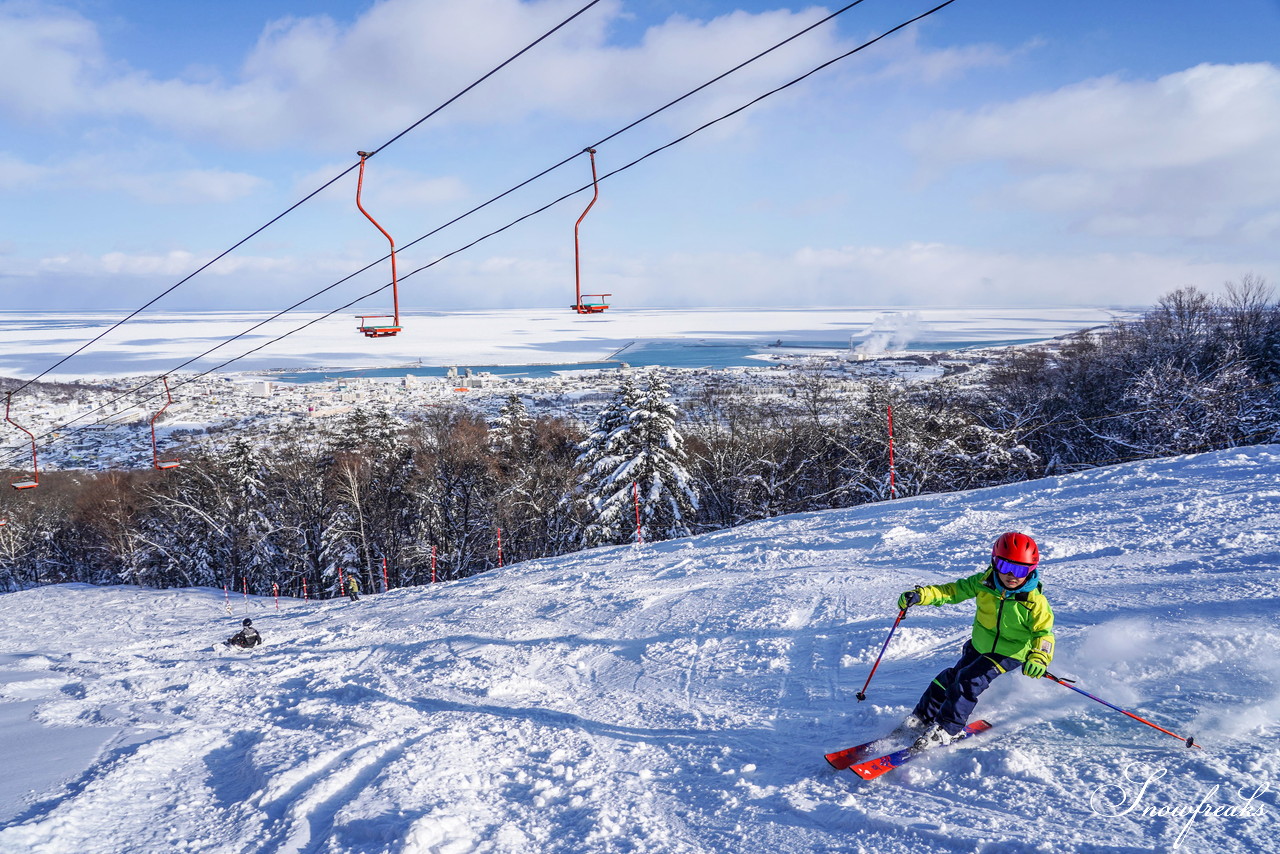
635	496
893	489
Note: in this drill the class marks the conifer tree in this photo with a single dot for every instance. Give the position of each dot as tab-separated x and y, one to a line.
599	456
510	431
639	456
667	494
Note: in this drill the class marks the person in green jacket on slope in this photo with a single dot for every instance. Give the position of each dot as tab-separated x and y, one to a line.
1013	627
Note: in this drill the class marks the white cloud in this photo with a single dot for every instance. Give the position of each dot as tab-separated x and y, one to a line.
917	274
16	173
906	59
384	187
1192	155
170	264
47	54
195	186
912	274
189	186
312	79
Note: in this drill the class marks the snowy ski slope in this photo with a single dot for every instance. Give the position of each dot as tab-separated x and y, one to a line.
679	697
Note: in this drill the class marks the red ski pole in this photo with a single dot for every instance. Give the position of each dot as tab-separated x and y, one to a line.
862	695
1190	742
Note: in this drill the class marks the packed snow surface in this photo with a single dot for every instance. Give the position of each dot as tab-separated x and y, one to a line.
679	696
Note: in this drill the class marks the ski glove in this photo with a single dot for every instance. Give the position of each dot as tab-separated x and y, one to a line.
1035	665
906	600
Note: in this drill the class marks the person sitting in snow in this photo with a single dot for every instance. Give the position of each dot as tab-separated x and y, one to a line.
245	638
353	587
1013	626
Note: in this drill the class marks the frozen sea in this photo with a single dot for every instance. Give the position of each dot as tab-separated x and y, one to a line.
510	341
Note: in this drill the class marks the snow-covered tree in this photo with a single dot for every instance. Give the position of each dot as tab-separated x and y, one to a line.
510	432
250	511
375	430
338	538
637	457
185	529
456	493
599	456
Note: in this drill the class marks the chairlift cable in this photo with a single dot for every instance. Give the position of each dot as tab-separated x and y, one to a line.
456	219
301	201
631	126
664	147
519	186
735	69
477	240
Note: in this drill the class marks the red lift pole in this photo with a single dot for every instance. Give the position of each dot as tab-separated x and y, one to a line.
598	305
155	453
373	330
35	469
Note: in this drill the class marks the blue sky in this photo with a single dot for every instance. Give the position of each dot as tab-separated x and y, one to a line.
996	153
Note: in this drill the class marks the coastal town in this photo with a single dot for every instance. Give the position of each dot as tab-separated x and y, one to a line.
107	423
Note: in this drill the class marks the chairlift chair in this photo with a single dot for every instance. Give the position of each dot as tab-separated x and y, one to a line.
591	303
155	454
375	330
35	468
368	328
586	303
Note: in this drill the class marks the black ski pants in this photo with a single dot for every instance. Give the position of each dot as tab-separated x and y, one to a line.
951	696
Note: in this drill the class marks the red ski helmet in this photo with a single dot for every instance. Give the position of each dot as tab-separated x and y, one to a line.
1016	547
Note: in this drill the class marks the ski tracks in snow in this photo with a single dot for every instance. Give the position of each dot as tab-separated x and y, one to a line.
677	699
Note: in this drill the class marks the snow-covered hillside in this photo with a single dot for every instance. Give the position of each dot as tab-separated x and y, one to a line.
679	697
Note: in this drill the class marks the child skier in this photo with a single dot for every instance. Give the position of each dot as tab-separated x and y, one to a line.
245	638
353	587
1013	626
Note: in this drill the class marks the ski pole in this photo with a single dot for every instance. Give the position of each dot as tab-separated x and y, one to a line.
862	695
1190	742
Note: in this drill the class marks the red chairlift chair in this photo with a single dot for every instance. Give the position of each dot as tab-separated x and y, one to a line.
35	469
155	454
586	303
366	327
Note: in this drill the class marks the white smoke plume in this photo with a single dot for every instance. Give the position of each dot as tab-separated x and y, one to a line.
888	333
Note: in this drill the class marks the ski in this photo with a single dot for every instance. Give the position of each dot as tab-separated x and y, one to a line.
842	759
873	768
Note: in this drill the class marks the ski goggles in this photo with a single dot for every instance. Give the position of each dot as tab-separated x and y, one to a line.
1008	567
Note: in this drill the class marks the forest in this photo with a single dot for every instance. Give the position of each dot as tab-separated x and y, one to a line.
444	494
